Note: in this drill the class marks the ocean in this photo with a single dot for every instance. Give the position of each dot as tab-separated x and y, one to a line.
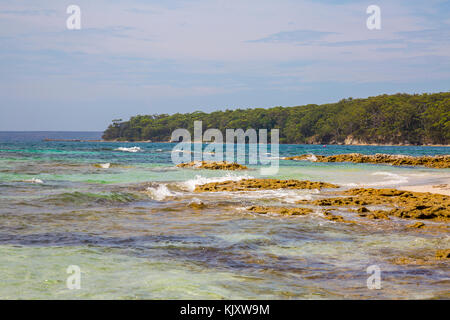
123	216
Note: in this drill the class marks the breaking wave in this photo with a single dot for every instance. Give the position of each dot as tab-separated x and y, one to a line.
199	180
286	196
392	179
160	192
131	149
34	180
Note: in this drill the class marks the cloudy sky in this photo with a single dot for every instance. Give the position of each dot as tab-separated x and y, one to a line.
144	57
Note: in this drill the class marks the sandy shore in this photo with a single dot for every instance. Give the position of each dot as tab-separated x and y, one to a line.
441	188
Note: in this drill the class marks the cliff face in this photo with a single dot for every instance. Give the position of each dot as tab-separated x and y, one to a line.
351	140
399	119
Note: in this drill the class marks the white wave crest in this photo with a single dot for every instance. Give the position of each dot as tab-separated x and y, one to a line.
34	180
199	180
282	195
131	149
160	192
392	179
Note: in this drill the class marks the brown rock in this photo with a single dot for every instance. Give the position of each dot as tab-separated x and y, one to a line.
363	210
329	216
281	210
404	204
197	205
417	225
377	215
261	184
408	260
440	256
440	161
443	254
211	165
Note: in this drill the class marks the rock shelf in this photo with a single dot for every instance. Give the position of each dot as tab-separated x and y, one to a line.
261	184
212	165
402	204
440	161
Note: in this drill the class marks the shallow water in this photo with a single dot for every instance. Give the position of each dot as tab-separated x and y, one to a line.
131	231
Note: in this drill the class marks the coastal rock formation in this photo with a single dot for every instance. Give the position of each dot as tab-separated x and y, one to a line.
280	210
261	184
388	203
441	161
440	256
429	227
443	254
198	205
332	217
402	204
377	214
212	165
417	225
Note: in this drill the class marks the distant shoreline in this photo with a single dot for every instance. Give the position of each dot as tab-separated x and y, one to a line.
317	144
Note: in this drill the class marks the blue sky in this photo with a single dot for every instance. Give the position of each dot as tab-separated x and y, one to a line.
144	57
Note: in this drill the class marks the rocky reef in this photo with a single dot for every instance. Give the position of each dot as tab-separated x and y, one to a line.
441	161
213	165
388	202
402	204
363	207
337	218
280	210
442	255
262	184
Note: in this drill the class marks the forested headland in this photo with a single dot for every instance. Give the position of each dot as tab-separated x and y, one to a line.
386	119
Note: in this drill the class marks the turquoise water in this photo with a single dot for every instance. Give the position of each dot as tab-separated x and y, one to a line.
131	230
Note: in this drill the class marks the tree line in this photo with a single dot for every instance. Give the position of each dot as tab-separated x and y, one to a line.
384	119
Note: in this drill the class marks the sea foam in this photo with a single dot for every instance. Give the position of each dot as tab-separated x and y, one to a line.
34	180
160	192
392	179
199	180
131	149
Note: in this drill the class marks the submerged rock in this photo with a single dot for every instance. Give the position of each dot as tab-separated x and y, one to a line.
417	225
198	205
440	256
212	165
261	184
440	161
443	254
375	215
408	260
102	165
332	217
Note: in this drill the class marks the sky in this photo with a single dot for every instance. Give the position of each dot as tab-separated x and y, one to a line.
150	57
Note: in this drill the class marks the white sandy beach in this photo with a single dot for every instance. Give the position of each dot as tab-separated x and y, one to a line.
440	189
